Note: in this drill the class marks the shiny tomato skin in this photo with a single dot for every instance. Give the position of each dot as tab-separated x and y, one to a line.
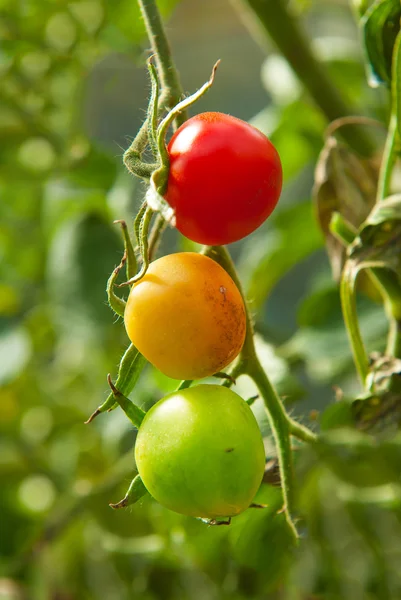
225	178
186	316
199	452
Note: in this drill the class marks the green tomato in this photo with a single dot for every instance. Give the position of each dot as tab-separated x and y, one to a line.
199	452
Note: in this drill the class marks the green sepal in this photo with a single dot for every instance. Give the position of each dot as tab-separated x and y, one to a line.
142	225
116	304
135	491
133	412
130	368
131	264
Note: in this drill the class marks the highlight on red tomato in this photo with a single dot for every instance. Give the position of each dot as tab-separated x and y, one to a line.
186	316
199	452
225	178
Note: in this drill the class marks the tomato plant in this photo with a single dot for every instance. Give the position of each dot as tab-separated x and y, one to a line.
199	452
186	316
225	178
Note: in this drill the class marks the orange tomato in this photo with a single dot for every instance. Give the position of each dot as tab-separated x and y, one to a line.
186	316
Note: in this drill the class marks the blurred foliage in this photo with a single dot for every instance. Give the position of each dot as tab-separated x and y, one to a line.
61	188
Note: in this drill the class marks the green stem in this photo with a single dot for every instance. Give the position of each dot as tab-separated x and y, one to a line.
116	304
158	227
169	78
131	264
385	281
347	292
281	424
280	430
251	366
248	353
388	160
274	19
394	339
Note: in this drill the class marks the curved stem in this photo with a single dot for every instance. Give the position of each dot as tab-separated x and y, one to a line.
388	160
279	426
154	237
394	339
250	365
347	292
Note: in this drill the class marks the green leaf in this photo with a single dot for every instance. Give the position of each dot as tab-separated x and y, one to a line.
270	255
378	412
380	27
379	408
83	253
379	240
336	415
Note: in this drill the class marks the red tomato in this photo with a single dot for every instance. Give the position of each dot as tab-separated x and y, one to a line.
225	178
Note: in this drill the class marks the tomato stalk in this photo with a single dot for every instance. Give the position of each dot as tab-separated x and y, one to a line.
281	424
171	90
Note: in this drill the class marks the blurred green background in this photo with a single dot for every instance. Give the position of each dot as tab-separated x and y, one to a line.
73	93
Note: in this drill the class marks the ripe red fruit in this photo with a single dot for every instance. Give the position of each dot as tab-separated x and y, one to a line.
225	178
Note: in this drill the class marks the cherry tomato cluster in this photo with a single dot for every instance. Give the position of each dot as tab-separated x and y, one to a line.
199	451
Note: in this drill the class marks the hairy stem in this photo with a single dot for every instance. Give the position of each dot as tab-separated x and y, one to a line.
279	425
169	78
